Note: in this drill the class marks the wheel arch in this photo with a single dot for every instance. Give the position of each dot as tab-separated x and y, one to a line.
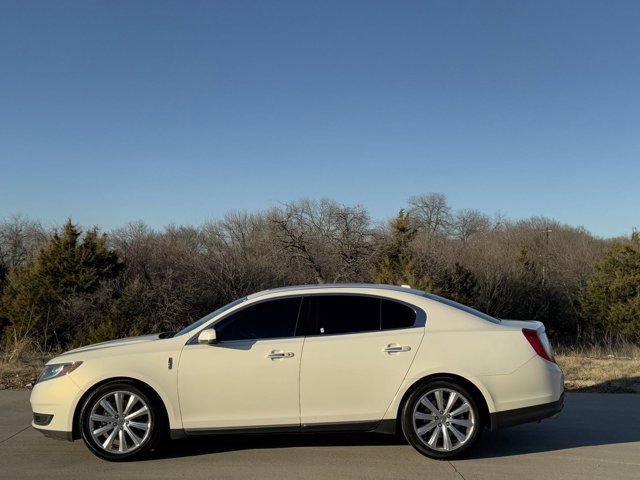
146	388
478	395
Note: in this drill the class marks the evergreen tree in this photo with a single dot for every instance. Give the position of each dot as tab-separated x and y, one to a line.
527	264
611	299
459	284
68	265
3	276
397	265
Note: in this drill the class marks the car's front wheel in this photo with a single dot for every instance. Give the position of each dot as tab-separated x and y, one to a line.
441	419
120	422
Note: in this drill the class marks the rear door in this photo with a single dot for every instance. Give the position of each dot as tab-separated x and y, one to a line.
356	354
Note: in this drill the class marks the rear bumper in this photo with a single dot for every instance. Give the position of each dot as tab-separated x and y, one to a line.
509	418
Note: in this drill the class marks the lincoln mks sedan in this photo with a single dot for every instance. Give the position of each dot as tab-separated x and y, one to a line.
314	358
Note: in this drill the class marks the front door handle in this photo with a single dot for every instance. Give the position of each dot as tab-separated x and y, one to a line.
276	354
395	348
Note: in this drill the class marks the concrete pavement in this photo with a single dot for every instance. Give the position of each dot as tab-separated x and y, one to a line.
596	436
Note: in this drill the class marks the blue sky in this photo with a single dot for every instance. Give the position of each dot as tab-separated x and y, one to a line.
114	111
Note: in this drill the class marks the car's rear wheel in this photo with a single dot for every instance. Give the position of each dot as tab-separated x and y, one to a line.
120	422
441	419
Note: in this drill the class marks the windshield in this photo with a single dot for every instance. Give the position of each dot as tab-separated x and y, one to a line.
209	316
464	308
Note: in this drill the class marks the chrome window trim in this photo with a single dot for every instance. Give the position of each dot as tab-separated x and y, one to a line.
330	286
420	321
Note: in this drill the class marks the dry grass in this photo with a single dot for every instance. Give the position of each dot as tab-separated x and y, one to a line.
21	364
605	375
586	369
601	368
621	349
21	373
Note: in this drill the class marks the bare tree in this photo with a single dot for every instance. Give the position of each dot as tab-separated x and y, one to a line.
332	240
20	239
177	274
468	222
432	213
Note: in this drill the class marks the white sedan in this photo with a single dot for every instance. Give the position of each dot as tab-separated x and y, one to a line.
343	357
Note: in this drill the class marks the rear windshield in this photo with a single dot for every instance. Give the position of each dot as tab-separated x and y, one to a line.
464	308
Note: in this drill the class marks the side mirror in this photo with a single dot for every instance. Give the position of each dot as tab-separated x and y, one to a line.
208	337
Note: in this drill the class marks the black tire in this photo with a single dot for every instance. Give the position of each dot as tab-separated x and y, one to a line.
409	425
155	418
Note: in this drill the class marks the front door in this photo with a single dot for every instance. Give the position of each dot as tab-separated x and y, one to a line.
250	378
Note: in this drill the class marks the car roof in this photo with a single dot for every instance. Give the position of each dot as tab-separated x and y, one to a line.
330	286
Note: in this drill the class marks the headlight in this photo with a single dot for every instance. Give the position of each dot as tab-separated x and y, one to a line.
56	370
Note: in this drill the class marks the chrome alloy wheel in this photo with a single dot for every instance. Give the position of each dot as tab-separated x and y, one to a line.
443	420
120	422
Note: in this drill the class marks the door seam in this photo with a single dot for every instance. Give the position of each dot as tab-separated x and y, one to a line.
406	374
304	340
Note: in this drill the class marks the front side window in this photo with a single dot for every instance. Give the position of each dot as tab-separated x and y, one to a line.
209	316
341	314
270	319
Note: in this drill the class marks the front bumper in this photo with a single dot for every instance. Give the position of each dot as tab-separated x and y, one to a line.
53	403
56	434
510	418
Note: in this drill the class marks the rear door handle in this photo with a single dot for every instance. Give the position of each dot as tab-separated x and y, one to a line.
276	354
395	348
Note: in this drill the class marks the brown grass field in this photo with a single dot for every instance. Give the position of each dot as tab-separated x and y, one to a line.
585	370
609	374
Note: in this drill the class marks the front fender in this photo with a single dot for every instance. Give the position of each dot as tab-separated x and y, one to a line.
167	391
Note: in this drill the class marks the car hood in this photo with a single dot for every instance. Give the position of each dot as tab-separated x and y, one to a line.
115	343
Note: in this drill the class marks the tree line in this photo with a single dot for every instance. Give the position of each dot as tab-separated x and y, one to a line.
63	287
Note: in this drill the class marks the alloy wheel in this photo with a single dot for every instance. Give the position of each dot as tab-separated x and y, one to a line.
443	420
120	422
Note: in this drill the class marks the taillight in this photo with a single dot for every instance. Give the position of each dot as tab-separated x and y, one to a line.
538	345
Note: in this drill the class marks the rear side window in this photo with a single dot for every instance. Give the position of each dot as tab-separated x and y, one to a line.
271	319
341	314
396	315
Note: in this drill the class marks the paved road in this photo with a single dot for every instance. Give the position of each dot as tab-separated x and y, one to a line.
596	436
